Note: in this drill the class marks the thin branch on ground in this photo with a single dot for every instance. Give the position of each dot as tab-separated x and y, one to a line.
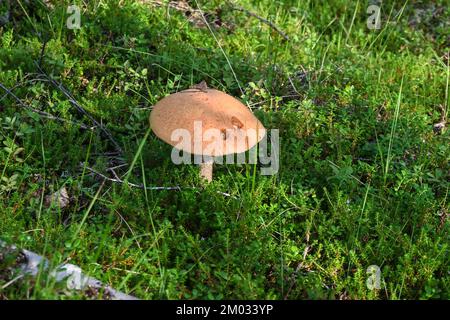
129	228
254	105
76	105
140	186
263	20
22	83
130	184
20	276
40	112
117	167
293	85
297	270
114	173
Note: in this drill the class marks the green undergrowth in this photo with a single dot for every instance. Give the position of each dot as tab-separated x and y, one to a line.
364	172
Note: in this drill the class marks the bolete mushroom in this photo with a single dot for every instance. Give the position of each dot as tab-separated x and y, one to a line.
209	122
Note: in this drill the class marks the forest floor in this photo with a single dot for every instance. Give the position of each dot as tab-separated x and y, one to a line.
361	110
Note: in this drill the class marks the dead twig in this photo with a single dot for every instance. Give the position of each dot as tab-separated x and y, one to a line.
297	270
191	14
263	20
116	167
129	228
177	5
133	185
140	186
20	276
76	105
254	105
20	84
40	112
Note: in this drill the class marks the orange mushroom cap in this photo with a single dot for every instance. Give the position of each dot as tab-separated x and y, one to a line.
235	128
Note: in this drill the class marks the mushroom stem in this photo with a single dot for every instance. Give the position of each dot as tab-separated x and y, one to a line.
206	170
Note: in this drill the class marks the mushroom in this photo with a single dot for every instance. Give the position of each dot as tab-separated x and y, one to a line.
210	122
